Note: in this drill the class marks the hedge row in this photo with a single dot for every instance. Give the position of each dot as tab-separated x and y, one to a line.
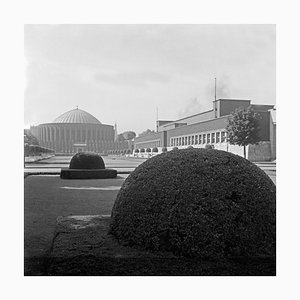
34	150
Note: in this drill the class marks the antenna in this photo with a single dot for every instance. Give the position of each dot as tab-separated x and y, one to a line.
156	118
215	88
215	102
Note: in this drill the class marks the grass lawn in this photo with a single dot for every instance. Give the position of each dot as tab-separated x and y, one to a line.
47	197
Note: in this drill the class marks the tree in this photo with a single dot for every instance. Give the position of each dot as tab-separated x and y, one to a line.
243	127
120	138
129	135
146	132
29	138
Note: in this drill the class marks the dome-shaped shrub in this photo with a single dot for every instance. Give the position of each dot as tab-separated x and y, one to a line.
209	146
142	150
164	149
175	148
198	203
136	150
155	149
87	160
190	147
148	150
128	151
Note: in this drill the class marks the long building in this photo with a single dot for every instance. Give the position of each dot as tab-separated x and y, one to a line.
76	131
209	127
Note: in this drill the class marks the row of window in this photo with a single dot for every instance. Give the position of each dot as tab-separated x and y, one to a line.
148	144
204	138
55	133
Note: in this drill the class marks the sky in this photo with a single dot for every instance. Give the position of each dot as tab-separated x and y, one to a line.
129	74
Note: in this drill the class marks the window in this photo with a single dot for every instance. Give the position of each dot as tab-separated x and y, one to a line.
185	140
213	138
204	138
208	138
200	138
218	137
171	142
196	139
192	140
223	136
177	142
189	140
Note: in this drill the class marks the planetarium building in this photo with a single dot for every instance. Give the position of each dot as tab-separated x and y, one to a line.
75	131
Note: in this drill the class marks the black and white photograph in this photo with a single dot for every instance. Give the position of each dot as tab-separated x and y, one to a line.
150	150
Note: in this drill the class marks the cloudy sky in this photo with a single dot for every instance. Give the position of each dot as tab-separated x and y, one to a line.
121	73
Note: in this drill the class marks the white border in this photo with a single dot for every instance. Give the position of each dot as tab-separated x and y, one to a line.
285	15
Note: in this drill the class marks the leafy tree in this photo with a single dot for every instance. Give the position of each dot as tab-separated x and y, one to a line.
120	138
146	132
243	127
29	138
129	135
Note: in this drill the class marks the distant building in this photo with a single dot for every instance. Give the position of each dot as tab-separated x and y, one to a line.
210	128
77	131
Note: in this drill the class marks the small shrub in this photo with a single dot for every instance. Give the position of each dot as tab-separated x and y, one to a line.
142	150
190	147
148	150
175	148
197	203
128	151
136	150
164	149
155	149
209	146
87	160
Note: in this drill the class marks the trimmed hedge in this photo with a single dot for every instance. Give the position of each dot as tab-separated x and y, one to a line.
155	149
88	173
197	203
87	160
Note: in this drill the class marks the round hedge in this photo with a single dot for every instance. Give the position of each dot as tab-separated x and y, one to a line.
197	203
87	160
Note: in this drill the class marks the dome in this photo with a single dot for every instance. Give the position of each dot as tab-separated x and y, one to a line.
77	116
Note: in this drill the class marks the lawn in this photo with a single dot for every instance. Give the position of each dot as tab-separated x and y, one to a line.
47	197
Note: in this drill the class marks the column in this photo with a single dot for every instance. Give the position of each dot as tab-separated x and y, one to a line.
66	142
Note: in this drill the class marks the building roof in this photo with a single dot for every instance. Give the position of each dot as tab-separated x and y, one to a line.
77	116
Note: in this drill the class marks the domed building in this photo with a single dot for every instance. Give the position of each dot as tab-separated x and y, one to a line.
75	131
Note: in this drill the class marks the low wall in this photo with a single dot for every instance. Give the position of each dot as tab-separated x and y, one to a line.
257	153
28	159
260	152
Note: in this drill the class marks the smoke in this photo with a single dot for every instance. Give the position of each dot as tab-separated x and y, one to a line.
193	107
223	90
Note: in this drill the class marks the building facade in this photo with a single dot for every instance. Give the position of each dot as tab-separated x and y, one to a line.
210	128
76	131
